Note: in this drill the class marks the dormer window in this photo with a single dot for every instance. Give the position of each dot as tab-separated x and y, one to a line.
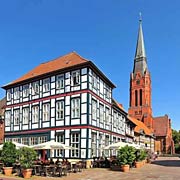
46	85
75	78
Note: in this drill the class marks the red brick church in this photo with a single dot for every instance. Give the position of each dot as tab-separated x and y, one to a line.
140	100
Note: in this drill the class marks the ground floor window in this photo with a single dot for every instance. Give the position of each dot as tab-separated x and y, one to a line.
93	144
60	138
75	142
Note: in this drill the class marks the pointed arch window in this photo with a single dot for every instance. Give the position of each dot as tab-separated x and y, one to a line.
140	96
136	98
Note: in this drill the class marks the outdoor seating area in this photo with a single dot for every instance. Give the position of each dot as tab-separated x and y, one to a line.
49	168
58	168
126	156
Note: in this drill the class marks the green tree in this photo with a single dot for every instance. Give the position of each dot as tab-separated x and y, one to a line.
176	136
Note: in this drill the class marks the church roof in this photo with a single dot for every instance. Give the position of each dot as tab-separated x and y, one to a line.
70	60
140	48
161	125
140	64
140	126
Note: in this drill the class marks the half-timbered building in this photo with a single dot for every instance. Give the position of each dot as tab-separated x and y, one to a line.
68	100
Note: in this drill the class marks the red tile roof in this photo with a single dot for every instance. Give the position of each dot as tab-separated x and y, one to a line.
140	126
62	62
120	106
161	125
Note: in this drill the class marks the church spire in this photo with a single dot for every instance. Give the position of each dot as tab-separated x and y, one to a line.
140	63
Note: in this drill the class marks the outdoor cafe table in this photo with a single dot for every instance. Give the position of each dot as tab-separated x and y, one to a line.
52	169
37	169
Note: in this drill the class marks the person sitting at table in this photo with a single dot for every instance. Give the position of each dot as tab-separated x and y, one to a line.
38	162
67	162
107	162
58	162
46	162
51	161
63	162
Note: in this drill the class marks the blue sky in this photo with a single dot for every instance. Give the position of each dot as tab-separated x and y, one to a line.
104	31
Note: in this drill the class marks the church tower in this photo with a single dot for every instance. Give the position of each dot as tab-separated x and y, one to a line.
140	84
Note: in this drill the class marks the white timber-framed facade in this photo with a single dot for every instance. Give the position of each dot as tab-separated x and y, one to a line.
67	100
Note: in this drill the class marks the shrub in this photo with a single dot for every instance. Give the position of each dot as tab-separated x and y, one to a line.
140	155
8	154
27	156
126	155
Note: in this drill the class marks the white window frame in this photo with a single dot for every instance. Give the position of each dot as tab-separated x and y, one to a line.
59	110
75	108
33	140
8	94
94	80
115	119
46	85
75	78
101	113
107	92
93	144
94	109
35	114
75	142
107	120
25	117
35	88
16	93
16	117
100	142
7	118
26	90
42	139
60	138
60	81
46	112
25	140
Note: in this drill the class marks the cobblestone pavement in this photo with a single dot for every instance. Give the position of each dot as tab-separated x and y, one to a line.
164	168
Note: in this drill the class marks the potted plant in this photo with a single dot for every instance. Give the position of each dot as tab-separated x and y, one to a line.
143	155
138	161
8	157
27	156
126	157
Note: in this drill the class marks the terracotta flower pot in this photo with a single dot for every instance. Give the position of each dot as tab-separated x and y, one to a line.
7	171
125	168
138	164
27	173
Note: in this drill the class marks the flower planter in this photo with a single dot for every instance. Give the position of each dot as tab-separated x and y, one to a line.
138	164
27	173
125	168
7	171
